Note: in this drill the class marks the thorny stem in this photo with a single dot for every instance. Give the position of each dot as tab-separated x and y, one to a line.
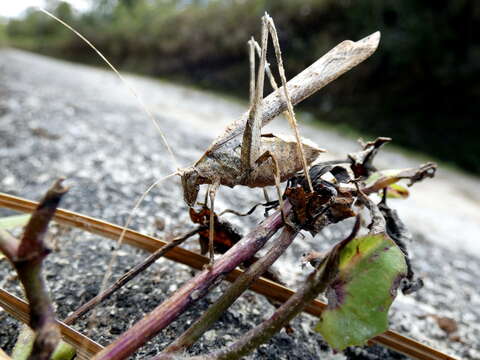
234	291
316	283
27	259
131	274
196	288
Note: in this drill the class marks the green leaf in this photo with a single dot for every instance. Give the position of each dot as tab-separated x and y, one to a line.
387	178
396	191
381	173
369	273
24	344
390	173
23	347
63	351
11	222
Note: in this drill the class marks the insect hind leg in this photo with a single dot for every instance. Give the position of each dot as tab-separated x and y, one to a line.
290	113
251	53
251	136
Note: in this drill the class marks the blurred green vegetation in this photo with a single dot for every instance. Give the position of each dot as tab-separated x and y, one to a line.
3	33
420	87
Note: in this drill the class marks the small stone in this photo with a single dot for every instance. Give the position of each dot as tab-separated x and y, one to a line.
210	335
447	324
160	223
8	180
115	330
122	253
195	294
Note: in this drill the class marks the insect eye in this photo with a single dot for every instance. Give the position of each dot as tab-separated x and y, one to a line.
190	187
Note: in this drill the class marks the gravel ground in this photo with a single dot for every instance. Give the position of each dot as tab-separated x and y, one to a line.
59	119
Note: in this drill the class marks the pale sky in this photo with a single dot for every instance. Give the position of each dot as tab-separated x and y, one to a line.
12	8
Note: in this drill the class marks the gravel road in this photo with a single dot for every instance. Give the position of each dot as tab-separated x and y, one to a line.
61	119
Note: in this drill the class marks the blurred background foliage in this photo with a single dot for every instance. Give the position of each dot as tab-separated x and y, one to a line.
420	87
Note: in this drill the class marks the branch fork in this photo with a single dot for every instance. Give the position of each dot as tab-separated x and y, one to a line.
27	256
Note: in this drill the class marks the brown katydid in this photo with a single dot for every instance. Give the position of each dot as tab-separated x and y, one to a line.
242	155
257	160
227	158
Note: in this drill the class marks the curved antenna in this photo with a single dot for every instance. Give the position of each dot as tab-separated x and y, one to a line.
113	259
132	91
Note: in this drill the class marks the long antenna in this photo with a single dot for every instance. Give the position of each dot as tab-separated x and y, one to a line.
131	89
113	258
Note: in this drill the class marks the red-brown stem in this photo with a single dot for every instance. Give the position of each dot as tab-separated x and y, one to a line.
27	259
42	317
8	244
316	283
169	310
32	244
231	294
131	274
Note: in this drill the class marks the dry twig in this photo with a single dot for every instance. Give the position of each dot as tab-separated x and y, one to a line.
132	273
231	294
274	291
27	257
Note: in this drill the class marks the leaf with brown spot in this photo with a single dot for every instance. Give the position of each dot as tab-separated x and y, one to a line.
369	274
